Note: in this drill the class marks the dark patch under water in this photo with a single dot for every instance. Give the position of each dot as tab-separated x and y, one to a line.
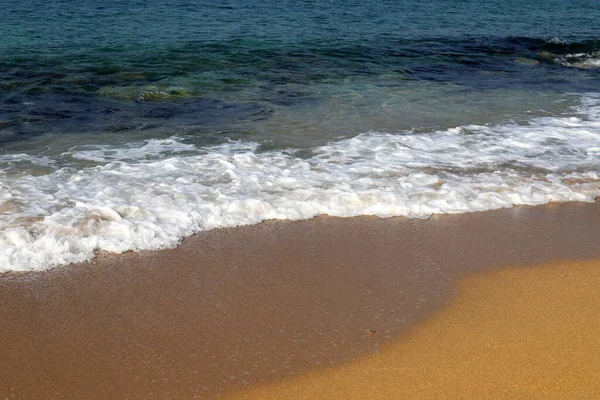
36	114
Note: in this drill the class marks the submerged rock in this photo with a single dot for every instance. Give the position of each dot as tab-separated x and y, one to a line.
145	93
526	61
546	55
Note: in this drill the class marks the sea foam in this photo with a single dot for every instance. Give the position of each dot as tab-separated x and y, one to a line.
151	195
580	60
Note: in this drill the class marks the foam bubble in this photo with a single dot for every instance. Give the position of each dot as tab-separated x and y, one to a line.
151	195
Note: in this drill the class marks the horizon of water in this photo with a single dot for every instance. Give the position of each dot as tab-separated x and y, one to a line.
130	126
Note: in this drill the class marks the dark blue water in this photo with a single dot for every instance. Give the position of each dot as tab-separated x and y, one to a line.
81	26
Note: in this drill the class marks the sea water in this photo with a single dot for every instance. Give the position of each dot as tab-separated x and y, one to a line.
131	125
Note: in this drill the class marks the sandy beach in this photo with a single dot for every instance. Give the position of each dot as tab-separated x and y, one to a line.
333	301
511	334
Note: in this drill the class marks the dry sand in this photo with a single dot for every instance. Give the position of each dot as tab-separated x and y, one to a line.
512	334
244	307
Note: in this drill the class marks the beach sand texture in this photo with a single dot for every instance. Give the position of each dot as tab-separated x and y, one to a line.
240	308
512	334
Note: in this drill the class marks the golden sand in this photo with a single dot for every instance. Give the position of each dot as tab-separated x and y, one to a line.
517	333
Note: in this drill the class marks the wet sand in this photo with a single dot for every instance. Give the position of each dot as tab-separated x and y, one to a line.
244	307
511	334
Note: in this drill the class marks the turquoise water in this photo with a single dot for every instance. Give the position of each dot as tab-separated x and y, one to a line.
78	67
396	108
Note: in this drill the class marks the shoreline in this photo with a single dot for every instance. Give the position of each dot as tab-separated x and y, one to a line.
243	307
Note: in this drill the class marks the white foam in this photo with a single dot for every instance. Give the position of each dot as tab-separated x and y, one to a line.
150	196
153	148
557	40
11	159
580	60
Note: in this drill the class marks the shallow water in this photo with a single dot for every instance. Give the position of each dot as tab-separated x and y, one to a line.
131	126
